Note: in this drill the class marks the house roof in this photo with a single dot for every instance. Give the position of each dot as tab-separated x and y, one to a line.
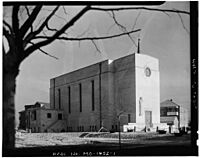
43	104
168	103
22	111
167	119
38	105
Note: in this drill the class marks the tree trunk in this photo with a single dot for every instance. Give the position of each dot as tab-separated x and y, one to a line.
9	79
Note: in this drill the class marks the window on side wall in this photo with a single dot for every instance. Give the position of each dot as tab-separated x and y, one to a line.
48	115
59	116
59	99
80	96
34	115
129	118
93	96
69	100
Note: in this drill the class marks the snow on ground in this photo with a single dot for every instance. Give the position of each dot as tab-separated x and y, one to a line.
75	138
47	139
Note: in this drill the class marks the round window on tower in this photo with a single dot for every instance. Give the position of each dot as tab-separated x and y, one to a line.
148	72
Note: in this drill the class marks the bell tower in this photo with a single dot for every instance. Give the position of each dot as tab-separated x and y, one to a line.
147	90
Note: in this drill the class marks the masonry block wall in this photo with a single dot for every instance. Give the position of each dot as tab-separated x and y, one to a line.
124	88
147	89
82	108
48	124
121	83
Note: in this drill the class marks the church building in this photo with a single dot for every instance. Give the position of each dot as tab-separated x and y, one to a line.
99	95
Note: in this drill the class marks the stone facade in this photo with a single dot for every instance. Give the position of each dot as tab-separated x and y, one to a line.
97	96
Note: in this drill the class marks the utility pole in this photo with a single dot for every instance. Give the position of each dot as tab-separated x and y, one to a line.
179	117
118	116
120	146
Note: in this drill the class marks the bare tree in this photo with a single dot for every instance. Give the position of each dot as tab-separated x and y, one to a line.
23	39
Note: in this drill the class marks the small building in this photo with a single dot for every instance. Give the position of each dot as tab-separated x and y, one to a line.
40	118
173	114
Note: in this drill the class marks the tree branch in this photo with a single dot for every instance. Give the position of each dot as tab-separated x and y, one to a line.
27	10
60	17
48	54
15	20
29	50
122	28
64	10
89	38
31	35
50	29
45	52
9	38
133	27
10	28
140	8
183	23
117	23
28	23
5	32
45	23
95	46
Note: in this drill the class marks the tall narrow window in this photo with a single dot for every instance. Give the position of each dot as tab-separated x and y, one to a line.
69	99
33	115
54	97
140	106
80	96
59	99
93	95
129	118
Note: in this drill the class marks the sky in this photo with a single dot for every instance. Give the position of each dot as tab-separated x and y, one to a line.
163	36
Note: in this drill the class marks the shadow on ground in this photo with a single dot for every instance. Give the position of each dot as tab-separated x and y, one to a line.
167	145
102	150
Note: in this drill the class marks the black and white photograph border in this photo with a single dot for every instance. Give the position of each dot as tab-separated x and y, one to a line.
99	78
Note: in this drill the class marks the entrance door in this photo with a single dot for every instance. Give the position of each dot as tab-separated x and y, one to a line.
148	119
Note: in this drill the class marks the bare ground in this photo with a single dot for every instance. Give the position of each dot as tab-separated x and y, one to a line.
48	139
101	144
58	139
